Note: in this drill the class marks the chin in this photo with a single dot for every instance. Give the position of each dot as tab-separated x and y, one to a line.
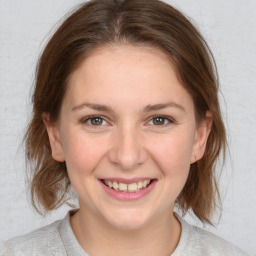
128	220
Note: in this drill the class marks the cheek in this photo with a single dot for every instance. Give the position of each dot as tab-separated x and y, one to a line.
82	153
173	153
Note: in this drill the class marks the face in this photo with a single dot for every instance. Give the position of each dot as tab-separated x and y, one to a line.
128	134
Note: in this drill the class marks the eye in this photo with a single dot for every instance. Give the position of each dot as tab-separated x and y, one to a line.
94	121
99	121
158	120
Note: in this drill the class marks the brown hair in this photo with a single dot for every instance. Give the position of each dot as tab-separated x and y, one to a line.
138	22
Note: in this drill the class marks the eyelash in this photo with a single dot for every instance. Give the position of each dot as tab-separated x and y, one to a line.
170	120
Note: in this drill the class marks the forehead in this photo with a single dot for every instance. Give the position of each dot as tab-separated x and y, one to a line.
128	74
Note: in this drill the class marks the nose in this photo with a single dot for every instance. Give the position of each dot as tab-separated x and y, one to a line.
127	151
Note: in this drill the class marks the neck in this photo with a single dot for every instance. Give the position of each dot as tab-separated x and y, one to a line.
159	237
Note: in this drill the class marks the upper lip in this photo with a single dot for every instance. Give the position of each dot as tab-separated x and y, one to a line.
126	181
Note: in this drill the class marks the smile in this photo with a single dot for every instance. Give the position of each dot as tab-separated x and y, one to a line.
128	188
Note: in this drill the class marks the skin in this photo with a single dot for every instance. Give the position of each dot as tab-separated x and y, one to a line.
127	143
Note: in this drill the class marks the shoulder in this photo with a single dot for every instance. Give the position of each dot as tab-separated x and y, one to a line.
197	241
211	244
43	241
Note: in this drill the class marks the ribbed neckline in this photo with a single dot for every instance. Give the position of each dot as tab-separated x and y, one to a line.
184	237
71	244
73	248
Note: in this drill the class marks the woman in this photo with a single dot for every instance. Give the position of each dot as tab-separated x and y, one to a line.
126	111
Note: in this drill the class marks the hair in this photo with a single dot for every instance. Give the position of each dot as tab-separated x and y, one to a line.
149	23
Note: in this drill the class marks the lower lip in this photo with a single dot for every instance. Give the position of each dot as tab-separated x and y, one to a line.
128	196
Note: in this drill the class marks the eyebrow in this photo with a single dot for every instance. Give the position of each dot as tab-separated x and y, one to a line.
148	108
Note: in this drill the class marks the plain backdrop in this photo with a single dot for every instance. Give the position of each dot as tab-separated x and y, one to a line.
228	26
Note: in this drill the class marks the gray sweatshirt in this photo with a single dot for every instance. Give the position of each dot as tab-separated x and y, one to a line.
58	239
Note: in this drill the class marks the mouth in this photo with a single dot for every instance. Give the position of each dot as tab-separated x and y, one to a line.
128	186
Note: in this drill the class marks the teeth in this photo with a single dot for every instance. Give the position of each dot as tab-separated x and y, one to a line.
144	184
122	187
133	187
115	185
140	185
110	184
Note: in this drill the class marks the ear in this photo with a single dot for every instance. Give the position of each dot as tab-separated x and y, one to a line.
54	138
201	136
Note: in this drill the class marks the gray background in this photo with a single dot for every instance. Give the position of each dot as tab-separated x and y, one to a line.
229	27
